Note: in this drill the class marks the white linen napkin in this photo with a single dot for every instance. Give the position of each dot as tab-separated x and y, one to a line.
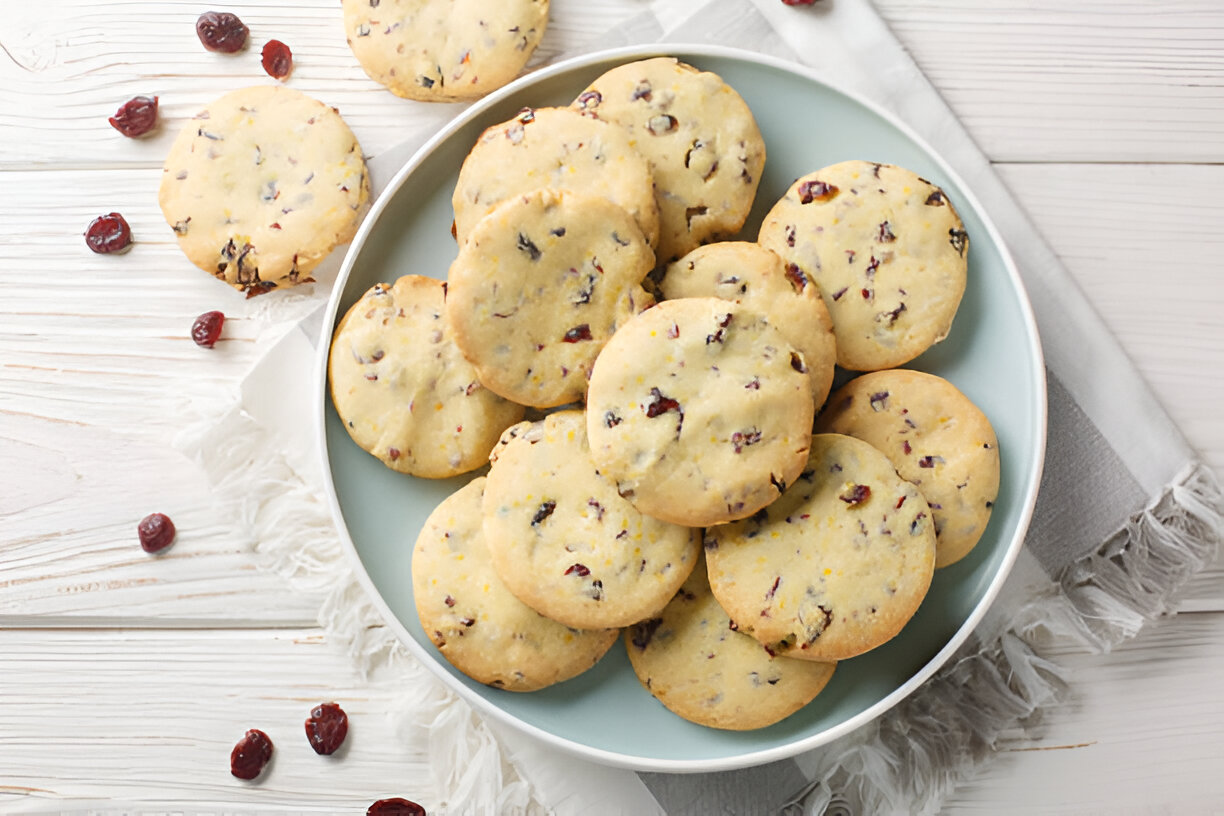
1103	555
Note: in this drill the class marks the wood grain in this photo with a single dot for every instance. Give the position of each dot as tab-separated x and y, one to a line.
1089	81
150	717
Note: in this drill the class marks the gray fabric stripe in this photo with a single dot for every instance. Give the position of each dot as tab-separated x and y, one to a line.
750	792
1087	492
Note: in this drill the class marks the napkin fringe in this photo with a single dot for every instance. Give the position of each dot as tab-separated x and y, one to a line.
1134	576
280	516
910	759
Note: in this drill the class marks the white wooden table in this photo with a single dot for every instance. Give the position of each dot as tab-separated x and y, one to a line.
125	680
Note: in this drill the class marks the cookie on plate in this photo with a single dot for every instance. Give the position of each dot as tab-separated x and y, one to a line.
700	410
702	141
936	438
694	662
756	277
443	50
477	625
565	542
261	185
559	148
837	565
402	389
539	286
886	248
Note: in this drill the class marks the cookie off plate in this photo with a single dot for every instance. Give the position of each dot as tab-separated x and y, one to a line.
992	354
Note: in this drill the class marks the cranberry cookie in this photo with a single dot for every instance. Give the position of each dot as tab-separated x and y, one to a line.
261	185
936	438
886	248
539	287
402	389
474	621
702	141
565	542
700	410
835	567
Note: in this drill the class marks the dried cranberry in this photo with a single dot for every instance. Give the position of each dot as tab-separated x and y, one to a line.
856	495
222	31
326	728
395	807
135	117
206	329
156	532
251	754
108	233
815	190
577	334
277	59
799	2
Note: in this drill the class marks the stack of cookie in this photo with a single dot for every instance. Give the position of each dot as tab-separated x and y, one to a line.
677	378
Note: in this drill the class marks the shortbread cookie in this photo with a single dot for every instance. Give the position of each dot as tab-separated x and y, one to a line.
936	438
886	248
559	148
443	50
261	185
694	662
835	567
700	411
703	144
402	389
756	277
539	286
477	625
564	541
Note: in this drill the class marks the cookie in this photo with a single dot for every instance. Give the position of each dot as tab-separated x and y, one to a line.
700	411
262	185
402	389
565	542
936	438
539	286
756	277
887	250
837	565
702	142
474	621
559	148
443	50
694	662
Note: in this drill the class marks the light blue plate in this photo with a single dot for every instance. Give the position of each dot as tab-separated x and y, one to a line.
992	354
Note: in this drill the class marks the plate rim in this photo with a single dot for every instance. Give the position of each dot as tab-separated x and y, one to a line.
615	758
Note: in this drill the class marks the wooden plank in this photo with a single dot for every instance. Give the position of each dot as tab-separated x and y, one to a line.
1033	80
1094	80
1139	733
149	718
65	67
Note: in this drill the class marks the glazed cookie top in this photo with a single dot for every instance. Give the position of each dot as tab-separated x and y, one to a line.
564	541
474	621
402	389
261	185
559	148
700	410
539	286
756	277
835	567
693	661
886	248
443	50
702	141
936	438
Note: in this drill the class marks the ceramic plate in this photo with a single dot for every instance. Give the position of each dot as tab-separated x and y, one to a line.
992	354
